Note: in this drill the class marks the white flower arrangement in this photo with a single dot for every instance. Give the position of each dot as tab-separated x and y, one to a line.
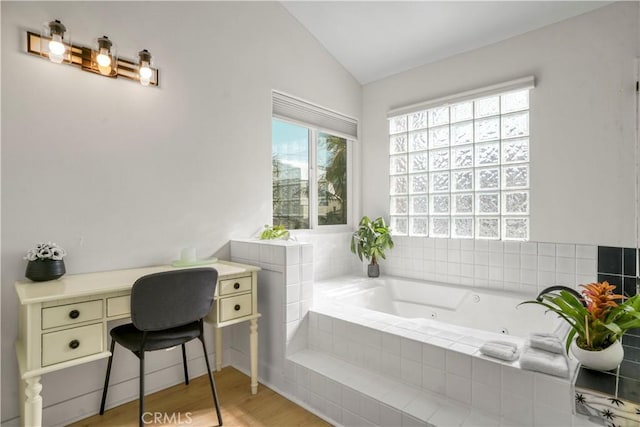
45	251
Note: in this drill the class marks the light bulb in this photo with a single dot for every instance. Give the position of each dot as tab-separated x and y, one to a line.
104	60
105	71
55	45
145	73
55	57
56	48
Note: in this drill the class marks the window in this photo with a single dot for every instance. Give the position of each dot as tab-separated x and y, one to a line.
311	164
308	164
460	168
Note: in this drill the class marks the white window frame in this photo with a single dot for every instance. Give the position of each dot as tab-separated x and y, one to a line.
526	83
314	131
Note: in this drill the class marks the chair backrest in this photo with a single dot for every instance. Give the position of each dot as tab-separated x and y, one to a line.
172	298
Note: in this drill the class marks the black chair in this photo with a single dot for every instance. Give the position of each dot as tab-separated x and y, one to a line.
167	309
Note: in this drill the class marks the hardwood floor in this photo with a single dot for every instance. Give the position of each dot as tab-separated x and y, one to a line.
192	405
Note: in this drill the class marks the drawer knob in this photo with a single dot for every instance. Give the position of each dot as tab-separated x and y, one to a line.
74	314
74	344
237	307
236	285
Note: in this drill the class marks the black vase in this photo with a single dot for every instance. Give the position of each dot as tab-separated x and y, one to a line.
373	270
42	270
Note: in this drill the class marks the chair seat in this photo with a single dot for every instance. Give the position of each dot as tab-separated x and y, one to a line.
130	337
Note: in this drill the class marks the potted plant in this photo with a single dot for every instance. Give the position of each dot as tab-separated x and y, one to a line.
45	262
370	241
597	325
274	232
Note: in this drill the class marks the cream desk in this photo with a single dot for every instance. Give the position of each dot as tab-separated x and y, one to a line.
63	323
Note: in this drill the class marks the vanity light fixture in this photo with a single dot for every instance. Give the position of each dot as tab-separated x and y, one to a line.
54	44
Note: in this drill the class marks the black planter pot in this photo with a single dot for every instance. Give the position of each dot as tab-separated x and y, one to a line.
373	270
43	270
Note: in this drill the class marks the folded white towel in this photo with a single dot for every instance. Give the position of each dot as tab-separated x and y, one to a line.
547	342
503	350
542	361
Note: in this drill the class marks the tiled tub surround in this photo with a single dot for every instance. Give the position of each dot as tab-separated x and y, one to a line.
527	267
289	268
331	254
345	388
284	296
422	370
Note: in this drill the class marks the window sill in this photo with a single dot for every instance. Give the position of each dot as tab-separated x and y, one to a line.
323	229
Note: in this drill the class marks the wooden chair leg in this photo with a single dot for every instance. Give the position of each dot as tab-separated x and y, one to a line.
184	362
211	382
106	379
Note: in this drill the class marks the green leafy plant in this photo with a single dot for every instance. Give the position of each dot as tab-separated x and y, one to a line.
371	239
274	232
598	324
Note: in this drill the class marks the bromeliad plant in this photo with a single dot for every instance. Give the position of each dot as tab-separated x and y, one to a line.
600	321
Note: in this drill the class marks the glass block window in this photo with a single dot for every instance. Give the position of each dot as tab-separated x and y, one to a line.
462	170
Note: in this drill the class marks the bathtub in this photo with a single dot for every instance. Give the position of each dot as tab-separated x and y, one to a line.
428	336
433	303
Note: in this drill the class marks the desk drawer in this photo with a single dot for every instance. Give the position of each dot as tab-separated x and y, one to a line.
235	286
235	307
71	344
119	306
70	314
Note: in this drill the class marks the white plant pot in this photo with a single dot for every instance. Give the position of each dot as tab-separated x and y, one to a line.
603	360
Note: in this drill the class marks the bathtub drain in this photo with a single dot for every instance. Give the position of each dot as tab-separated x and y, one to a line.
504	331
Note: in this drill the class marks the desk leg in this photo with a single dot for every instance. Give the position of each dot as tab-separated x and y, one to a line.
33	403
253	343
218	333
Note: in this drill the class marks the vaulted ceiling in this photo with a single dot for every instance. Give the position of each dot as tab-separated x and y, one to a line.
375	39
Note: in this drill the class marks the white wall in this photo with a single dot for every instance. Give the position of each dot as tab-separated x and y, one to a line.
121	175
582	121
